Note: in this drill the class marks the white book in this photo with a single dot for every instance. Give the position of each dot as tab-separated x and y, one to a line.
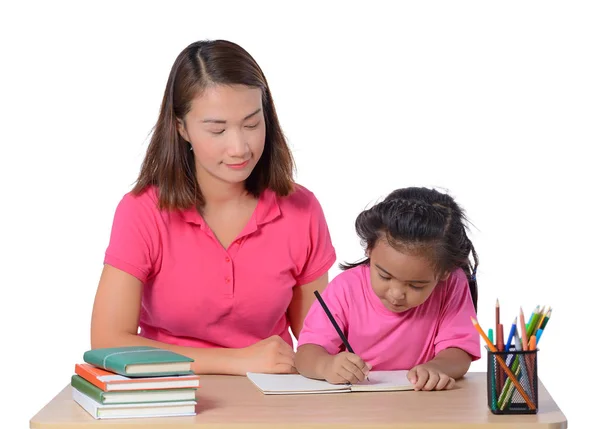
294	384
139	410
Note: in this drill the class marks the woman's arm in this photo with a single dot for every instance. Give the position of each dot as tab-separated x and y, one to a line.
303	297
115	319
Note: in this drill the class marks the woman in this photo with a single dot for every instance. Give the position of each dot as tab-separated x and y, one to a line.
216	252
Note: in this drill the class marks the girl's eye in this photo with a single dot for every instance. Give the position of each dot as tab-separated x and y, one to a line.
251	127
216	133
415	287
384	278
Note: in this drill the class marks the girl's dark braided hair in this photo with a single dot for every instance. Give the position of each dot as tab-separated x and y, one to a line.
421	220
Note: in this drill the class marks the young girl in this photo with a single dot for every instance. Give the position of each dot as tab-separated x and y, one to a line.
407	305
216	252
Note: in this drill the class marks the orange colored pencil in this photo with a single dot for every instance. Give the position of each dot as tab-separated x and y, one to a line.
523	330
506	369
532	344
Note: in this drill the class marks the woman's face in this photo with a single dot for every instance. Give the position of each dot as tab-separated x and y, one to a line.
226	129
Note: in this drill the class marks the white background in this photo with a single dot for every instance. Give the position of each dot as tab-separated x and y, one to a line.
498	103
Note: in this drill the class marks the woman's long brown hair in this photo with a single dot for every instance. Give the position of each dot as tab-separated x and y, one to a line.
169	163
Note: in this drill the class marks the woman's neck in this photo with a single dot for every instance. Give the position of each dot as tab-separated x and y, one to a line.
218	193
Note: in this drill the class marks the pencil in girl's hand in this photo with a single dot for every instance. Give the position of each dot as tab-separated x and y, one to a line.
334	323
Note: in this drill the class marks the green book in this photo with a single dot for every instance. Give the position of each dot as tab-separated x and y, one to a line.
131	396
139	361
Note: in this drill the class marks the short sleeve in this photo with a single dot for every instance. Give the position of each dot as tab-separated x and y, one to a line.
320	254
456	328
318	329
134	239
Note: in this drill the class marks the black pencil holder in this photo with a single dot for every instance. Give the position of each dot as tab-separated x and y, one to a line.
504	397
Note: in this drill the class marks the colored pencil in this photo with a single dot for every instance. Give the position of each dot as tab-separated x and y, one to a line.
506	369
546	319
511	334
523	329
540	319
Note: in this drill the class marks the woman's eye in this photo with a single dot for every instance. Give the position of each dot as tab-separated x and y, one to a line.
252	126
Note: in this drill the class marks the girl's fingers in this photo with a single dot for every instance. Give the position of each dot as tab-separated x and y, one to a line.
434	378
422	378
444	382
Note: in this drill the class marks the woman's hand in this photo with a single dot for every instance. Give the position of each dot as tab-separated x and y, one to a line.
429	377
345	368
271	355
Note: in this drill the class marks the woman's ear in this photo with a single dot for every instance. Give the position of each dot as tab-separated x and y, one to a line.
182	131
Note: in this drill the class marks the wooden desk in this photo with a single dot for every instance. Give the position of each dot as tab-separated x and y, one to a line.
234	402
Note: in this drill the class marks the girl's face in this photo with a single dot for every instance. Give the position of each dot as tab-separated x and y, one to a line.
226	129
402	281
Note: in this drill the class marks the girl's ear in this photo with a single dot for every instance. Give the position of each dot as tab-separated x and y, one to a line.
182	131
445	276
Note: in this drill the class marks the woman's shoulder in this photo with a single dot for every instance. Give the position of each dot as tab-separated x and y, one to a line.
145	201
300	200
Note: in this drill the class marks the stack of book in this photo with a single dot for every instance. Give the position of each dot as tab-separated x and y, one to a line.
135	382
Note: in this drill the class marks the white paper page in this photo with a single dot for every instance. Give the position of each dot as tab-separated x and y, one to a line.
293	384
384	380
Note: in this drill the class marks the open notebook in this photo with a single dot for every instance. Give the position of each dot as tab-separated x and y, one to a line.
293	384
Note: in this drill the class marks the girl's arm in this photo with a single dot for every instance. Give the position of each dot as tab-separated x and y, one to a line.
441	371
304	296
452	361
311	361
115	318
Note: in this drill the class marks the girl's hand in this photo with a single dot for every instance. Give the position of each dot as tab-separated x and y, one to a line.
271	355
345	368
428	377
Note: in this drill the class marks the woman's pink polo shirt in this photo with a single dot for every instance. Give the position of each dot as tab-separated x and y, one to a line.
197	293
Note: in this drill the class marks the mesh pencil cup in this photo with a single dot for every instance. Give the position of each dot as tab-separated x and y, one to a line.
504	396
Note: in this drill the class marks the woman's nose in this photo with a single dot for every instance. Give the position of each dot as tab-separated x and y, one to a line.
238	147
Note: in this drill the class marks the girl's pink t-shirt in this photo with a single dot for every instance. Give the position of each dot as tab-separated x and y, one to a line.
197	293
388	340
